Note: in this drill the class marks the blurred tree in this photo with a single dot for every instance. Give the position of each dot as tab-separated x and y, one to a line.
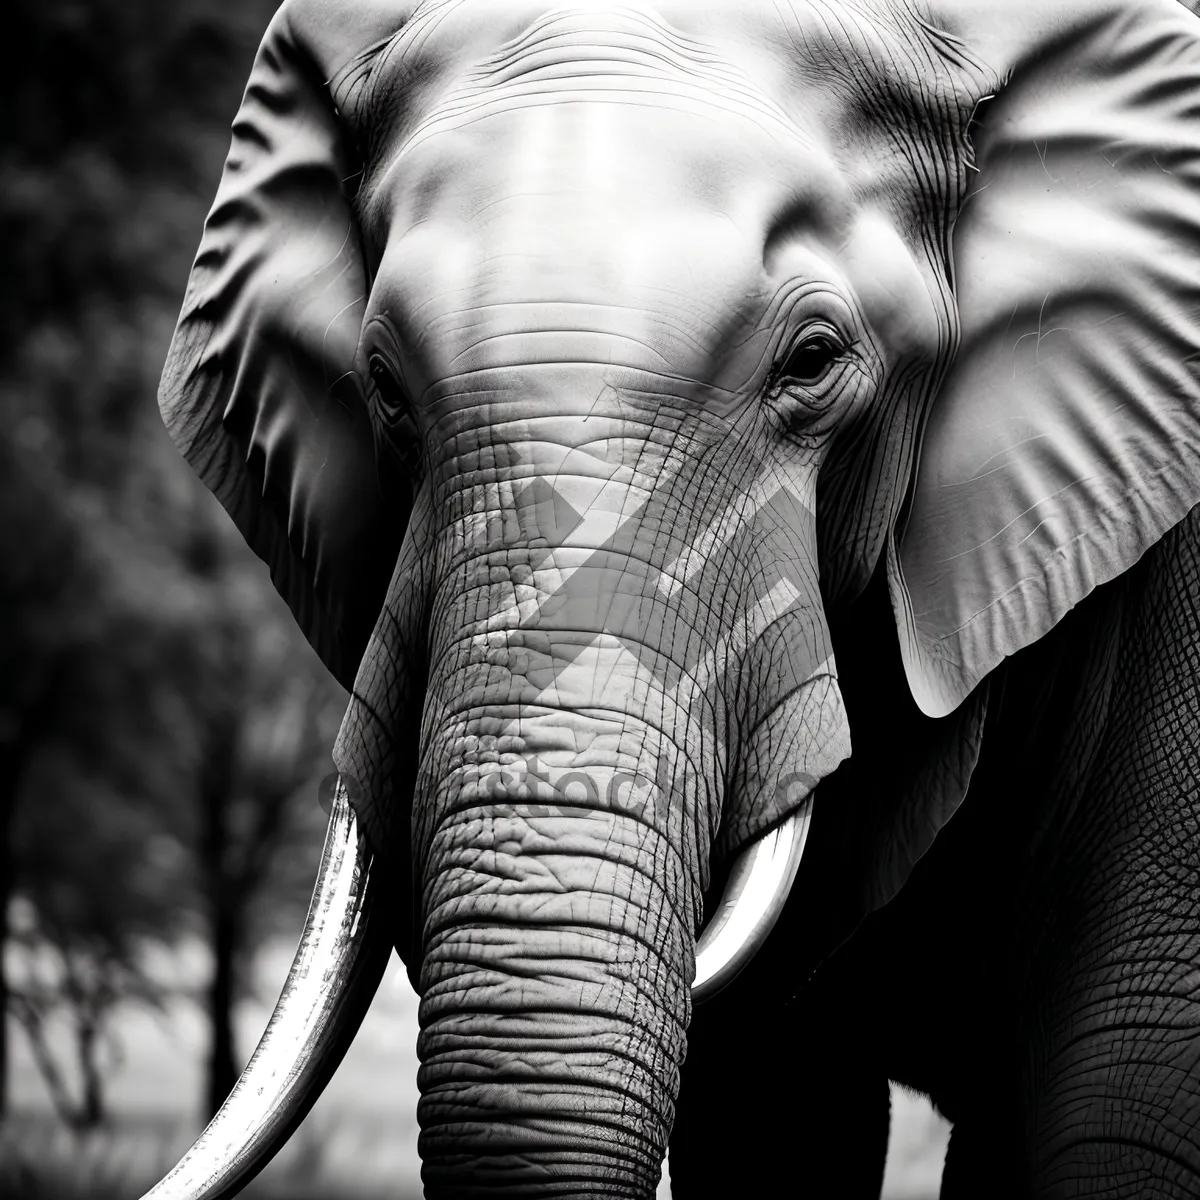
166	790
266	739
118	110
122	109
90	900
139	705
34	643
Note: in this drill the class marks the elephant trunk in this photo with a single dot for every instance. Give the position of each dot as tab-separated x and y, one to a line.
592	658
585	723
559	905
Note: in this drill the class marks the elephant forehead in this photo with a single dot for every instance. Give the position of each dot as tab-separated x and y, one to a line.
595	51
611	184
870	80
754	44
576	223
586	231
582	217
645	157
610	107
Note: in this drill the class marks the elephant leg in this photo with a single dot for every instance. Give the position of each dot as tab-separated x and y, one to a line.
1115	1056
1105	954
772	1095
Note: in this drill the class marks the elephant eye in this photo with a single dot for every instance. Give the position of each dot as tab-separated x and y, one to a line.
811	359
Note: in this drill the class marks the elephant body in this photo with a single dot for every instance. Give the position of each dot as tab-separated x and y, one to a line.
700	433
1039	975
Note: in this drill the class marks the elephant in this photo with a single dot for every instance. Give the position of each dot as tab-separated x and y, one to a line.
742	459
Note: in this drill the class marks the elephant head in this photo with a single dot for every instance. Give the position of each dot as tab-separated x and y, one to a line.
568	364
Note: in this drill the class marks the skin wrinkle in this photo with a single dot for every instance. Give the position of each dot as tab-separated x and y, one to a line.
655	100
569	718
718	84
561	843
566	1089
456	813
633	391
534	366
486	556
547	1069
509	980
676	327
673	296
520	710
591	453
629	478
511	985
616	859
668	298
552	1112
501	959
504	978
540	1074
543	915
530	334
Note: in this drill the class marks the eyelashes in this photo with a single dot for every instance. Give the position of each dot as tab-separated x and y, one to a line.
811	362
811	359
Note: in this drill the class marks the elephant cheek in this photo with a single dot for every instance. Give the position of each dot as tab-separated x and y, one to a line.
791	729
797	731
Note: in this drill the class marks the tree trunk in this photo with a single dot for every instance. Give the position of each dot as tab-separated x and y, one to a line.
223	1068
91	1106
8	785
13	752
31	1021
216	797
16	739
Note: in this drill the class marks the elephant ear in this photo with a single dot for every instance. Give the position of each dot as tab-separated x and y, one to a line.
263	389
1066	438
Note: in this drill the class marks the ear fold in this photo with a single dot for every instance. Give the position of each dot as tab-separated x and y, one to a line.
1066	440
263	388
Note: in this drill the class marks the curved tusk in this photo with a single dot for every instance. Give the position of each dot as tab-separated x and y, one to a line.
338	966
755	894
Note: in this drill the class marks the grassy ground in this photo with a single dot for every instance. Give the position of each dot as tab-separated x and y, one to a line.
39	1160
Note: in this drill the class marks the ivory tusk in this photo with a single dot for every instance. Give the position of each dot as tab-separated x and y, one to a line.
338	966
755	894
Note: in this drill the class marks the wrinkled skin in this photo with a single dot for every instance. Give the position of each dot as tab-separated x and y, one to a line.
1036	977
642	475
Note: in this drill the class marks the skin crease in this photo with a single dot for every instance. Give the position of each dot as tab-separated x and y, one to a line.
655	302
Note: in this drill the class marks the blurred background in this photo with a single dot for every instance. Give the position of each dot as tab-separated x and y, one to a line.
164	728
